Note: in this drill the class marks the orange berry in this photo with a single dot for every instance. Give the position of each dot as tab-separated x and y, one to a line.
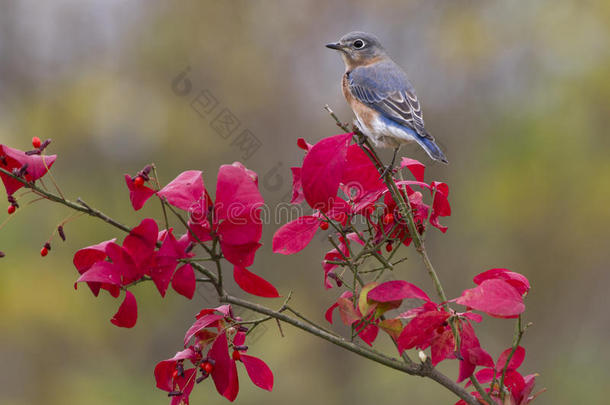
44	251
36	142
324	225
11	209
388	218
138	181
236	356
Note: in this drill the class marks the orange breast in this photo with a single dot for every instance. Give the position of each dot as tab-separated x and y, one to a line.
364	114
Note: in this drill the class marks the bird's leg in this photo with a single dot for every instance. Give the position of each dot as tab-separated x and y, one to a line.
390	168
360	139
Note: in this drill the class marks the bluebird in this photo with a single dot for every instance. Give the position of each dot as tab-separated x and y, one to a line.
381	96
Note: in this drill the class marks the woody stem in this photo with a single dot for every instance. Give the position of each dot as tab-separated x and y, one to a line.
423	369
406	212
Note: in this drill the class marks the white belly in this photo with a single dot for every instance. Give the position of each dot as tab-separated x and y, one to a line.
384	135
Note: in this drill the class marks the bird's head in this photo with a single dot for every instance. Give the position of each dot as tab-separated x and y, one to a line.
358	48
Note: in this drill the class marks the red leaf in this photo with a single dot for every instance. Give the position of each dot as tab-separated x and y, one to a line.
185	190
472	353
258	371
185	385
515	361
329	312
138	195
101	272
296	235
415	167
442	347
164	369
233	388
240	255
141	241
348	313
441	203
221	374
201	323
322	170
484	376
369	334
420	330
127	315
519	281
253	284
239	239
495	297
515	382
396	290
167	260
87	257
360	174
15	159
237	194
302	143
184	282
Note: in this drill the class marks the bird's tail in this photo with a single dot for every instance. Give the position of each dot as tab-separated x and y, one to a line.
432	148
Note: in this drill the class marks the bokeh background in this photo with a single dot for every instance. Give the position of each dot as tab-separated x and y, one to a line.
517	93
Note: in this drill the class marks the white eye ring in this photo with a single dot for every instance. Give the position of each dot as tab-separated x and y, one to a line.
358	44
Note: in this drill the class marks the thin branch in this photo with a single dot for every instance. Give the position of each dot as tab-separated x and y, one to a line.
424	369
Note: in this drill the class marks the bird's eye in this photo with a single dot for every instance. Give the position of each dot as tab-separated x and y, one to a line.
358	44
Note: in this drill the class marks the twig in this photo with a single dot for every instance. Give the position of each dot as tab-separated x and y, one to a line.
411	368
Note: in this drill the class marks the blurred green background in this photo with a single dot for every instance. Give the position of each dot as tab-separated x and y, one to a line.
517	93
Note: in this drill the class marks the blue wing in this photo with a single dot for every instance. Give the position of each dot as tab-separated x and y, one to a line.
385	87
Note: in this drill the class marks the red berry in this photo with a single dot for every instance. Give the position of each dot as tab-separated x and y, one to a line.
138	181
324	225
11	209
36	142
236	356
388	218
208	367
175	374
388	247
440	329
44	251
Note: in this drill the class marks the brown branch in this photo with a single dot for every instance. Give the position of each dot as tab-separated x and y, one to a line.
406	212
411	368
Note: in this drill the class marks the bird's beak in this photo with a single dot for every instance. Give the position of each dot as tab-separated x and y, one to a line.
335	45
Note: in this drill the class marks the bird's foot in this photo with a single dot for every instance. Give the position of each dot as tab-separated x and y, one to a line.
390	167
360	139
